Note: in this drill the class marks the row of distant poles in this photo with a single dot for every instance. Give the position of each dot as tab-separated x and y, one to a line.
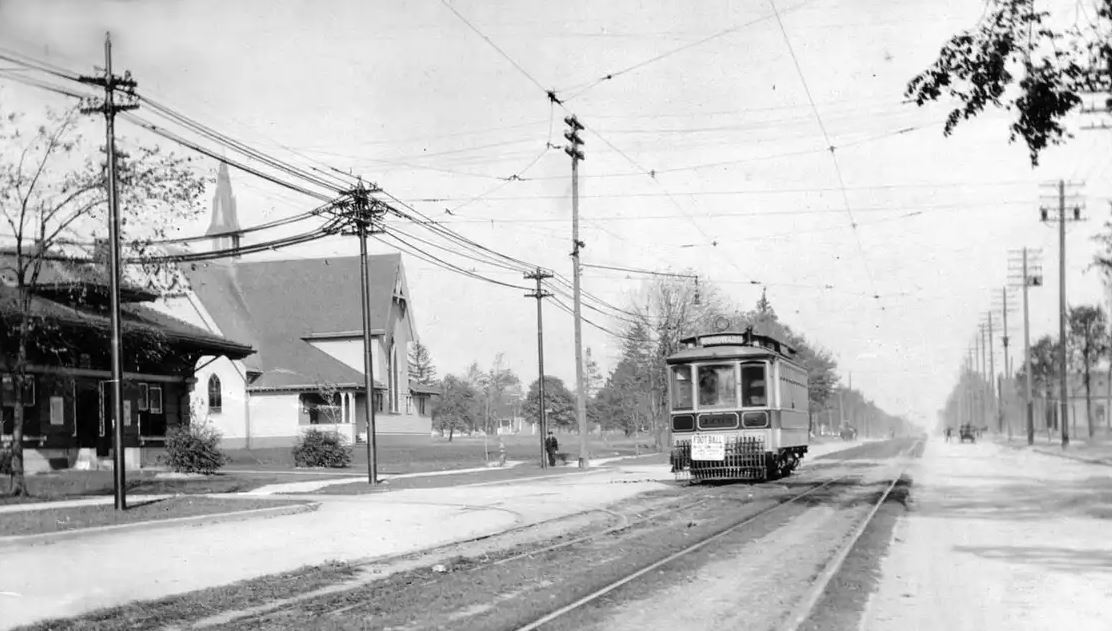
1024	271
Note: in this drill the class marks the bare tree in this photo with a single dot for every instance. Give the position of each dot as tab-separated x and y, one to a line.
53	204
1088	343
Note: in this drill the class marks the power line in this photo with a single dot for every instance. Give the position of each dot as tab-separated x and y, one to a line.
169	135
489	41
580	89
826	136
429	258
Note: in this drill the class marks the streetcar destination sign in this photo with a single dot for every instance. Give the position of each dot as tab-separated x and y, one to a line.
708	447
722	340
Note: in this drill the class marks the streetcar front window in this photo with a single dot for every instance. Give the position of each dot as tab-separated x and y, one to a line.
717	386
754	393
681	388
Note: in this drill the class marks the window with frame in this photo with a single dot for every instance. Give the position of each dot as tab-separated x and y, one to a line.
754	386
154	393
321	408
7	391
717	386
681	388
214	394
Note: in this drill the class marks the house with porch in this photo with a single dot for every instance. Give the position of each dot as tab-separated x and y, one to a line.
304	317
66	393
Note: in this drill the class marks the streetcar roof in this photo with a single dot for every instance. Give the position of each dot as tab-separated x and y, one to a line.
722	352
745	343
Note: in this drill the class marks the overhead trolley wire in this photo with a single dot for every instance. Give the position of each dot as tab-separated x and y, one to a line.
833	154
489	41
579	89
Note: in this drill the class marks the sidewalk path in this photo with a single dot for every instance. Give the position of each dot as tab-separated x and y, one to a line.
75	576
998	538
71	577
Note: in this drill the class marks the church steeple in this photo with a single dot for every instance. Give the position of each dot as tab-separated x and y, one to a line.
224	219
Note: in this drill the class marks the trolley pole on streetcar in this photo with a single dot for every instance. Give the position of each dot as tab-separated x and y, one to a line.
574	149
542	423
109	107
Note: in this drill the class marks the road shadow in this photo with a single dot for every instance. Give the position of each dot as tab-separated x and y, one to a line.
1005	498
1051	558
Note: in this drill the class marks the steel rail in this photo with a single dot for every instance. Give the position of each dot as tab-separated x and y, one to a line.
595	595
818	588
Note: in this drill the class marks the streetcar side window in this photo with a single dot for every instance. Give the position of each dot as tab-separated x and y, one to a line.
753	386
717	386
681	388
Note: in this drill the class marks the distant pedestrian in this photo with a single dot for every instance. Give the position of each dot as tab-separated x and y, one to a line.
949	432
551	445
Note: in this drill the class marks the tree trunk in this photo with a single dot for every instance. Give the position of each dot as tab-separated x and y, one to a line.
18	483
1088	400
451	432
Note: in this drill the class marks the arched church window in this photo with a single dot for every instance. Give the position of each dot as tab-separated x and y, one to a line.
214	393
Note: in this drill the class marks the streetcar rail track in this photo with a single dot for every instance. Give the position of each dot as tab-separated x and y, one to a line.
598	593
806	606
816	590
624	523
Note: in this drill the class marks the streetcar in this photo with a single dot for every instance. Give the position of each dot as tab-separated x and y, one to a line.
739	407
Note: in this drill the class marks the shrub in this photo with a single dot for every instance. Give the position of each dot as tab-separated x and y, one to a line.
321	449
194	449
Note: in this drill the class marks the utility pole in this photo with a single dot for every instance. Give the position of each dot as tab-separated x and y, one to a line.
1063	378
992	374
1025	269
979	344
1003	382
542	424
574	150
1108	395
366	213
109	107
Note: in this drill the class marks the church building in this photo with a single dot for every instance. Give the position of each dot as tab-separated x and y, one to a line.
304	318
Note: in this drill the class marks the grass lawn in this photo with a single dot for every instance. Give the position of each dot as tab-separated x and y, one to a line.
69	484
33	522
438	454
177	610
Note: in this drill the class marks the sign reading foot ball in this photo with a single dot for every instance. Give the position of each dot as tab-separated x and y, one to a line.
708	447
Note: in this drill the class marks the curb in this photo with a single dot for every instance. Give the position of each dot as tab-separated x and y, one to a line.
1038	450
195	520
1103	463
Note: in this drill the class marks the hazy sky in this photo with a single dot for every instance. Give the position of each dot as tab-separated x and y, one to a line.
745	190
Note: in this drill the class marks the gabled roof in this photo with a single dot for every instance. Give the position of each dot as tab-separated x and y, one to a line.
277	304
61	279
134	318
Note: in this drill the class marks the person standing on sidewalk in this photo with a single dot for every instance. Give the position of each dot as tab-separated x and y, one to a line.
551	445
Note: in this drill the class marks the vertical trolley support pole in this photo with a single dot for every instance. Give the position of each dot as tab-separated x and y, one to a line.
542	421
1063	377
363	221
118	462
